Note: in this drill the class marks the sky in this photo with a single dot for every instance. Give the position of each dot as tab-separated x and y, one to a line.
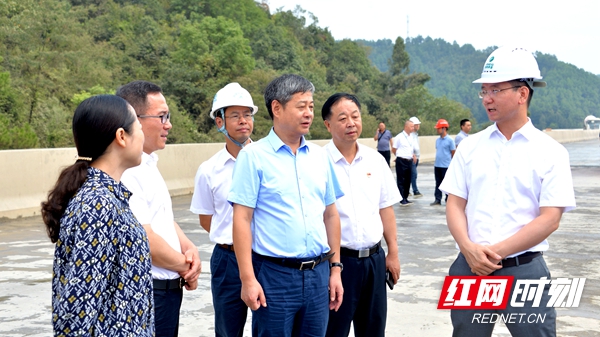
570	30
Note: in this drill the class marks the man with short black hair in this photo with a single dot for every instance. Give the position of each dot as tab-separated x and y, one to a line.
367	215
465	128
175	259
509	186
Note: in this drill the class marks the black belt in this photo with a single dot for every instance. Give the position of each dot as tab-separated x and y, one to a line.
177	283
519	259
225	246
297	263
360	253
403	159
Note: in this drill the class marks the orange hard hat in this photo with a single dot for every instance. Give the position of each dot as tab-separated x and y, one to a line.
442	123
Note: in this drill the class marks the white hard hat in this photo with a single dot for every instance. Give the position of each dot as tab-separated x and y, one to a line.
232	95
507	64
415	120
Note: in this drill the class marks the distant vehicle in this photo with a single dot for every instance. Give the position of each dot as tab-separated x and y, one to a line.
591	123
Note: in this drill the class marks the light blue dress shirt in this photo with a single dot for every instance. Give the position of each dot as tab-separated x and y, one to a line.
289	194
443	151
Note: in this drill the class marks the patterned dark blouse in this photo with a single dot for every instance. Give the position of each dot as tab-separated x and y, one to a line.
101	282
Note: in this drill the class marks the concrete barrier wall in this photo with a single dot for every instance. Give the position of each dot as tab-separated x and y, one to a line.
26	176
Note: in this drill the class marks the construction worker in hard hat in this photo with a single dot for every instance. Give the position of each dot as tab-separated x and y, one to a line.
508	187
233	111
444	151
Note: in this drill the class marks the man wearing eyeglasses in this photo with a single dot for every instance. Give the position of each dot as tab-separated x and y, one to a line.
509	186
175	259
233	111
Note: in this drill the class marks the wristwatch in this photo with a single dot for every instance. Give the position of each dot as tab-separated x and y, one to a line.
337	264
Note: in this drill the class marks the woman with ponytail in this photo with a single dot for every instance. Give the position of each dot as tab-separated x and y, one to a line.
101	282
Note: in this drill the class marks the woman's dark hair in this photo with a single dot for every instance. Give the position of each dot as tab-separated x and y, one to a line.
95	124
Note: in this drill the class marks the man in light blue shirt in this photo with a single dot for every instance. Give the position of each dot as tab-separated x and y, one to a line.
286	228
444	151
465	128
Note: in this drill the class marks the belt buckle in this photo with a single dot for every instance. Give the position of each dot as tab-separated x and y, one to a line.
311	263
181	282
363	252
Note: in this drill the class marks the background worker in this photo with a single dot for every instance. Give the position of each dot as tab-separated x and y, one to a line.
417	152
465	128
233	111
405	156
366	214
509	186
384	138
444	151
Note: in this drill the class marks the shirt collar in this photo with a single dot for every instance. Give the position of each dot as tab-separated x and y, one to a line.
149	159
527	131
225	156
100	177
336	155
277	143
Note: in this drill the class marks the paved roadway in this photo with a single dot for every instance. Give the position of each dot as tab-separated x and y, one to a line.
426	252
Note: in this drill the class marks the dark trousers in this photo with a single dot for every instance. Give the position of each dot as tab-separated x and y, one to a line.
166	311
403	176
297	300
462	320
386	154
365	298
413	178
440	173
226	287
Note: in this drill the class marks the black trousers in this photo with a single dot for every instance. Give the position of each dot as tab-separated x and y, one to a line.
166	311
403	176
365	298
440	173
386	154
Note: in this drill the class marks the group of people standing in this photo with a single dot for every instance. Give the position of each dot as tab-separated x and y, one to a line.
406	148
286	217
299	230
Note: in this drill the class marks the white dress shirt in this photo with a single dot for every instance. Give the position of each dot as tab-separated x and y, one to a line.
368	186
150	202
505	182
415	142
211	187
403	143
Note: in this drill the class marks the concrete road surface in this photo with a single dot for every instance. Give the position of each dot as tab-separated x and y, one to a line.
426	252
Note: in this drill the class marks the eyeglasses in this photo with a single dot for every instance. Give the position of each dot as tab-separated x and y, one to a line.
493	92
236	117
163	118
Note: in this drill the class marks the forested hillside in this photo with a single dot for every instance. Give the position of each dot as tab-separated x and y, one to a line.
55	53
570	96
